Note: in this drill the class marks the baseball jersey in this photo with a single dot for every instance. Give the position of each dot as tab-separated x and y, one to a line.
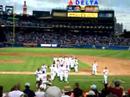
105	72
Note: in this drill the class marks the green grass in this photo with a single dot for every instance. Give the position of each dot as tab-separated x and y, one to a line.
85	81
93	52
8	81
31	63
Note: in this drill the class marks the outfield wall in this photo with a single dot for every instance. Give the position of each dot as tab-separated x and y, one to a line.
67	46
104	47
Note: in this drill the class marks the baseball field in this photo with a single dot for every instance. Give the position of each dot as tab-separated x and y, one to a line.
17	65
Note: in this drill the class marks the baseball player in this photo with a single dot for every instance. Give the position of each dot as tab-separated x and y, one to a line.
94	68
72	61
76	65
105	75
43	78
66	73
53	71
67	63
57	65
61	72
44	68
38	73
55	59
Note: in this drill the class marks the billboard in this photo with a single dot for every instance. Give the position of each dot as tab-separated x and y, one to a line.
41	13
83	2
82	15
75	8
106	15
91	8
59	14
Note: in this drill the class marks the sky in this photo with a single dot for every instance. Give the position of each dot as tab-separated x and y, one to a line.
121	7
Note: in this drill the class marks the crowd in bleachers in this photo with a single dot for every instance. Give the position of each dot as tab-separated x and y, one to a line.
68	39
115	90
28	22
63	39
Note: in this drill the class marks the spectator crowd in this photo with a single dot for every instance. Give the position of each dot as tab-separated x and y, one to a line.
66	39
114	90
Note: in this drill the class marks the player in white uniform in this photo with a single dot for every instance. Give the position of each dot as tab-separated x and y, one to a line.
61	72
67	62
94	68
37	74
76	65
55	59
72	62
66	73
105	75
57	67
43	78
53	71
44	68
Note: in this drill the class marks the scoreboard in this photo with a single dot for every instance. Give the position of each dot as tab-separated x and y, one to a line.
82	11
82	15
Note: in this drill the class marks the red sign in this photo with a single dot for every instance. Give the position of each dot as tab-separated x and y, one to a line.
70	2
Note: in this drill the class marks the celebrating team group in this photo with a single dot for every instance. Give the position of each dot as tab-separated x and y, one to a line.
60	67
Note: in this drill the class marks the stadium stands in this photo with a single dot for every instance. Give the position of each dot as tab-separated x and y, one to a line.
61	31
66	39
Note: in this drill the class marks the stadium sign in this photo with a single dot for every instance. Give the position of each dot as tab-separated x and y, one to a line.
83	2
82	15
78	8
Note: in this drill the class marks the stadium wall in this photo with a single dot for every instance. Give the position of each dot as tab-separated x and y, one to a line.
104	47
69	46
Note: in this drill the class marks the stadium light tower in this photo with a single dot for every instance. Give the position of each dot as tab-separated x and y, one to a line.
14	7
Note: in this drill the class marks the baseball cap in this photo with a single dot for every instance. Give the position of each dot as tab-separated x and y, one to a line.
53	91
93	87
27	84
91	92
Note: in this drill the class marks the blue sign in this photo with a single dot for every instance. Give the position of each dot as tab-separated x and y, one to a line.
82	2
77	2
86	2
